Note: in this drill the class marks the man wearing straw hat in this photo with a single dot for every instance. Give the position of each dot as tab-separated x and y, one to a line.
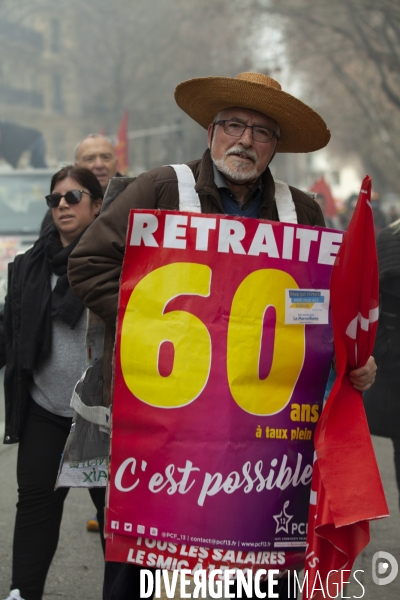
248	119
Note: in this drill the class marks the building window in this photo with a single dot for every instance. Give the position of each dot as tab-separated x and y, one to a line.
16	97
55	36
58	99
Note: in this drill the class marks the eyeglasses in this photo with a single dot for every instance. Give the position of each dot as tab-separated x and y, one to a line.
71	197
260	134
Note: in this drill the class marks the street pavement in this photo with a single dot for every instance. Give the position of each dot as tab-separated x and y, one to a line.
77	569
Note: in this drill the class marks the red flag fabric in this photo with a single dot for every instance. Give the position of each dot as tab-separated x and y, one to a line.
102	131
322	187
346	487
122	146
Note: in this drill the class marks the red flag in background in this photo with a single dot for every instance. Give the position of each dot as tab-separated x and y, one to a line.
321	187
346	487
102	131
122	146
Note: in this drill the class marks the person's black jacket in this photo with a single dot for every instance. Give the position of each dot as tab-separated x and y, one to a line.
382	400
16	380
2	342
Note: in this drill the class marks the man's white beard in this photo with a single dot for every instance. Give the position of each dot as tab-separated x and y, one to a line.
239	171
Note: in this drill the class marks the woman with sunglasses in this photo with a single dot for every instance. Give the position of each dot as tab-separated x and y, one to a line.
45	327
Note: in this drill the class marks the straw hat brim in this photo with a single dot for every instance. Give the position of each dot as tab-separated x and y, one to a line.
302	129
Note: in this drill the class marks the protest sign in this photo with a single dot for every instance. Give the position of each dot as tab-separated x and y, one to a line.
223	351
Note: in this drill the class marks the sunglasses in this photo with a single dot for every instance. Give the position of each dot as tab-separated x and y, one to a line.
71	197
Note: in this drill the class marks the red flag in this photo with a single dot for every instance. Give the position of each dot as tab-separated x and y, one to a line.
346	487
122	146
102	131
321	187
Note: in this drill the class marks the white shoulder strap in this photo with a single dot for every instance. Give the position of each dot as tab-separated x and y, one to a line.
284	203
188	198
190	202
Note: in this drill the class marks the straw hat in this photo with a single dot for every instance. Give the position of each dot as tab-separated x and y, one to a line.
302	129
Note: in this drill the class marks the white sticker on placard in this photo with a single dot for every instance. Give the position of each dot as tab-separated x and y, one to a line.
306	307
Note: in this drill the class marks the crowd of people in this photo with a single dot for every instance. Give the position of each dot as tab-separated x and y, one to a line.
76	264
343	215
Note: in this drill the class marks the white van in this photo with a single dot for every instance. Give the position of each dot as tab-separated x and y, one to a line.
22	209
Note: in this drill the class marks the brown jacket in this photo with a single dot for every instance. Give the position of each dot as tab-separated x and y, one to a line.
95	264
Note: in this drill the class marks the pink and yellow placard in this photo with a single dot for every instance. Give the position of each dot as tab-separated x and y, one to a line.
223	350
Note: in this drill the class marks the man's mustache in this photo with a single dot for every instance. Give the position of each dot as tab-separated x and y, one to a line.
235	150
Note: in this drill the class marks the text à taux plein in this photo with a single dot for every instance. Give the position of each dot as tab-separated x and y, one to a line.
299	412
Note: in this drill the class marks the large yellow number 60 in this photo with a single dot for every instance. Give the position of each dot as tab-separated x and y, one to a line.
146	326
255	294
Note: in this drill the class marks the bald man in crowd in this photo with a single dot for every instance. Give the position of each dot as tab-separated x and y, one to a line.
96	153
